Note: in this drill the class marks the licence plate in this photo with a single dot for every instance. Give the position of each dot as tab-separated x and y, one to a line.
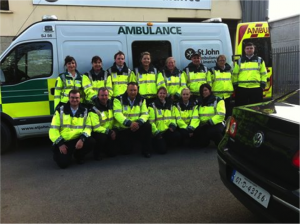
249	187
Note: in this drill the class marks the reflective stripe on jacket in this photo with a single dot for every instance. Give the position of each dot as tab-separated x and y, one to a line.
64	84
213	111
161	118
175	82
125	114
120	79
184	117
91	84
102	120
250	73
195	77
149	81
65	126
221	81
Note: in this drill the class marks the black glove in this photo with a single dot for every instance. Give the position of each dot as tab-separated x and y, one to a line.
263	85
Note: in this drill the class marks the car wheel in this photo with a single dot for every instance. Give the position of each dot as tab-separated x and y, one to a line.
6	138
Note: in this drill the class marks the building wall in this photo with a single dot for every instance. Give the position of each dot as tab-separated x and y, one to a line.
24	13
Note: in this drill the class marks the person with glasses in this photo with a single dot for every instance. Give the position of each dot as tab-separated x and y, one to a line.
70	132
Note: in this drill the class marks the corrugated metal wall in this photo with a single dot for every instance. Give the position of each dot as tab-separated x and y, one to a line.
256	10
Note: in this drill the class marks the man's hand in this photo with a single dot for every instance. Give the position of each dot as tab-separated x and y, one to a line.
63	149
171	129
113	135
134	126
79	144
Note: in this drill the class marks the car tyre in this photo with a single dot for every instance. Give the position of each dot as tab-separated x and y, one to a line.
6	138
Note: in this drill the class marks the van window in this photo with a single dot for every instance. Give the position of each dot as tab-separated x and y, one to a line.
27	61
159	50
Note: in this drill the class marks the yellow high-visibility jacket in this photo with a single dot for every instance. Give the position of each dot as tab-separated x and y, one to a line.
250	73
149	81
102	117
125	114
65	126
221	80
175	82
92	82
161	116
184	115
195	77
211	110
120	79
64	84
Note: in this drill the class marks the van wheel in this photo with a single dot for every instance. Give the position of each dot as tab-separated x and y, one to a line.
6	138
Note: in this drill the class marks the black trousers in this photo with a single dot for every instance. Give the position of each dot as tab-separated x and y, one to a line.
64	160
104	145
168	138
228	107
204	134
245	96
126	138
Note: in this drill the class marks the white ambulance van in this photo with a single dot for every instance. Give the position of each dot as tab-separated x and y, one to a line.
31	64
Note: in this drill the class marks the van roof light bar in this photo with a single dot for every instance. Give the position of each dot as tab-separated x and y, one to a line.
212	20
49	17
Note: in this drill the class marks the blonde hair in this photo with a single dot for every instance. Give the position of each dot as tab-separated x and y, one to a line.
145	53
170	58
185	89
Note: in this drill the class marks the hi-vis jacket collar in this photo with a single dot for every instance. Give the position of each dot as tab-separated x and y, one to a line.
226	69
125	101
159	105
114	69
67	110
143	71
169	74
193	68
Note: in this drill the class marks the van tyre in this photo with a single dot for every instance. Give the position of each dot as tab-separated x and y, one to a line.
6	138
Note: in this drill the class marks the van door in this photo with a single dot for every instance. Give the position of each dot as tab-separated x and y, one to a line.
25	96
87	40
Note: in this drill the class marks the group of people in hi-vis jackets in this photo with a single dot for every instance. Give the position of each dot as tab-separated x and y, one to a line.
107	112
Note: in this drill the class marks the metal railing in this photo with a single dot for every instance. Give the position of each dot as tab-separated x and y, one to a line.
285	70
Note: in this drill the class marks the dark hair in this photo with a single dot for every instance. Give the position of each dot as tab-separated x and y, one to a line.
160	88
119	53
69	59
133	84
74	91
96	58
203	86
249	44
102	89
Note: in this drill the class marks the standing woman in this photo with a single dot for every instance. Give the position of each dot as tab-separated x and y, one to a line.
211	111
174	80
148	78
163	121
71	79
183	111
93	80
221	80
